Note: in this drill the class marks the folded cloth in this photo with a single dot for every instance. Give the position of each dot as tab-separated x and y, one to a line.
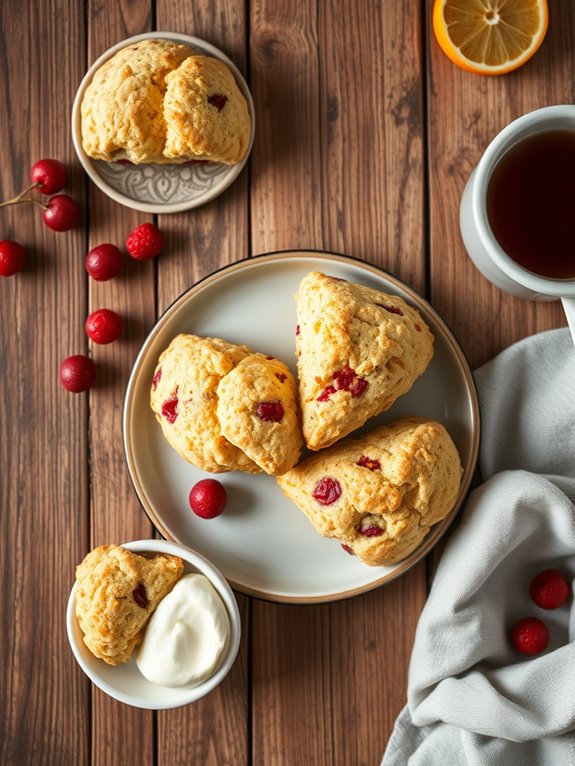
473	700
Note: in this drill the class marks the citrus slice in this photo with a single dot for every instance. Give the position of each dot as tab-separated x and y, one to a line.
489	36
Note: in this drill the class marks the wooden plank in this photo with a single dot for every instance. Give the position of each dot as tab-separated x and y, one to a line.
43	449
483	318
120	733
214	730
337	166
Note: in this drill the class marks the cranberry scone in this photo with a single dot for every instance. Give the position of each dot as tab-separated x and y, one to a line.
224	408
116	593
156	101
379	495
358	350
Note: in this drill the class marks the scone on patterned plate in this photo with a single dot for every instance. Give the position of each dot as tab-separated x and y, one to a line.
225	408
379	494
156	101
116	593
358	350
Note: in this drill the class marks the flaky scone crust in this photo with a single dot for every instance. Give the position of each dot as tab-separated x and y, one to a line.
150	103
218	386
409	481
274	446
380	337
112	621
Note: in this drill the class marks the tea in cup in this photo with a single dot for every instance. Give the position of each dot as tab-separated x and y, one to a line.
517	213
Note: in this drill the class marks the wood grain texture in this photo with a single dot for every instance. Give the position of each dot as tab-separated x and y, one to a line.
119	733
483	318
43	447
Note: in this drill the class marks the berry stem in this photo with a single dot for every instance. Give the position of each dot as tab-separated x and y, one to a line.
19	198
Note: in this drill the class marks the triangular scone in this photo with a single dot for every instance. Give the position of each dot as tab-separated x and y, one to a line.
116	593
258	412
184	398
380	494
358	350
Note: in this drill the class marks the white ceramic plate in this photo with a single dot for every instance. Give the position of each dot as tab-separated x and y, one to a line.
262	543
160	188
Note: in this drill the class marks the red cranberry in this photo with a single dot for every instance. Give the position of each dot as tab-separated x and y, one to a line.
170	408
12	257
218	100
272	411
157	377
358	387
77	373
530	636
103	262
326	393
61	213
347	549
371	531
208	498
549	589
297	329
368	462
391	309
327	491
281	377
104	326
50	176
140	595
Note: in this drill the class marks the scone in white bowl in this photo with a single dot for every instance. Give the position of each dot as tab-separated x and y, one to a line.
125	682
155	188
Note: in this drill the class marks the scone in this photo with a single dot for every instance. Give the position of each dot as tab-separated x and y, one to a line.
358	350
380	494
224	408
116	593
206	114
258	412
156	101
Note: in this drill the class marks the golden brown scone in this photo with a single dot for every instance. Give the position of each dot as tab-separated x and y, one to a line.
156	101
185	399
380	494
207	393
116	593
206	114
258	412
123	107
358	350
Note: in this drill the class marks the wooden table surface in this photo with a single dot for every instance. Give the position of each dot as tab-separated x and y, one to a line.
365	137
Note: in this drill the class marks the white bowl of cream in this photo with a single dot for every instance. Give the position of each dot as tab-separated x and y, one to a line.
192	645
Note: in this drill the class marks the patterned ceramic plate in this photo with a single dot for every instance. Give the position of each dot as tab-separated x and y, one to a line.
263	544
160	188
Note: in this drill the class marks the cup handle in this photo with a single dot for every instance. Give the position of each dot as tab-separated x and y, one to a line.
569	309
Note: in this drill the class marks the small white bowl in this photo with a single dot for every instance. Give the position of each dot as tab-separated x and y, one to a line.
158	188
125	682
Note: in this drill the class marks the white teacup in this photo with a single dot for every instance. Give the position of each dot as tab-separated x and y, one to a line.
480	242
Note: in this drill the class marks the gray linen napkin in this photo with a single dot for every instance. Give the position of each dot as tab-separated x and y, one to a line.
472	699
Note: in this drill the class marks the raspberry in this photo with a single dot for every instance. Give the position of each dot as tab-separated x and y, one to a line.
103	326
327	491
272	411
208	498
326	393
530	636
146	241
549	589
77	373
103	262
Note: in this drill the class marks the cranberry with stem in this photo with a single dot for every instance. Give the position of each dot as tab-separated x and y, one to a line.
61	213
12	257
48	176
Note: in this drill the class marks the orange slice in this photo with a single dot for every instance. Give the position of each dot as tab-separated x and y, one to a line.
490	36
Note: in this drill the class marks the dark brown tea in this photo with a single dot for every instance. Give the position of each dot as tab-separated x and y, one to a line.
531	203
